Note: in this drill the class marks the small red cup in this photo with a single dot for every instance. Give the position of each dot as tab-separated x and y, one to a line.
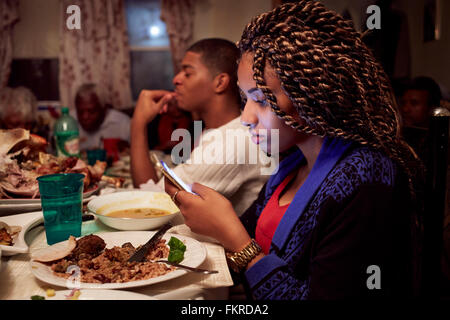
111	147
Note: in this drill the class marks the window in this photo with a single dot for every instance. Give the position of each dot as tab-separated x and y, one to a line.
150	58
145	29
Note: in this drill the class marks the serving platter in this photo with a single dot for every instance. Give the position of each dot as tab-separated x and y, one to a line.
194	256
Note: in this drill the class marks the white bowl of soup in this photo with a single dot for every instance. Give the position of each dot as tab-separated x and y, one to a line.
134	210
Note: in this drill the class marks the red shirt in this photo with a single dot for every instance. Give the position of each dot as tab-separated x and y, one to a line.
167	124
271	216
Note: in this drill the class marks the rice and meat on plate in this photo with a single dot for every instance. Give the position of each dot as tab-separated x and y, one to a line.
99	264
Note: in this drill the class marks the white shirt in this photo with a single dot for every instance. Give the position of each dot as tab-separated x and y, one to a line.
115	125
239	176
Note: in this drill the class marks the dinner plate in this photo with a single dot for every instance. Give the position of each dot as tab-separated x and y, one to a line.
12	206
7	209
194	256
26	221
21	201
95	294
119	171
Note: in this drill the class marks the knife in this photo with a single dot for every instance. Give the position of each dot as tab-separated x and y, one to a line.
140	254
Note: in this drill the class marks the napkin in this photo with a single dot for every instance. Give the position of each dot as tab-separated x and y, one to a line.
151	186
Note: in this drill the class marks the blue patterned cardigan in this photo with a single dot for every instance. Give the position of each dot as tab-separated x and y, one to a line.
351	213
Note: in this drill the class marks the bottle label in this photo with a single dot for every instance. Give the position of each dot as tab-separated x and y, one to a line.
67	146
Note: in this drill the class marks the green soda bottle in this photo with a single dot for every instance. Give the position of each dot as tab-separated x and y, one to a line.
66	135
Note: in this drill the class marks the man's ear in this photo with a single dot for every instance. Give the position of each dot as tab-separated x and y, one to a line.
221	82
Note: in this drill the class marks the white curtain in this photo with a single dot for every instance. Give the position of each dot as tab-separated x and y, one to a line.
97	53
179	18
9	15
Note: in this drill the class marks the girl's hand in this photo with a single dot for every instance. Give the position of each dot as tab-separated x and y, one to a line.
210	214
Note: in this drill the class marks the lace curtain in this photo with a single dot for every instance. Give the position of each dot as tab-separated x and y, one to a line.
179	18
9	15
97	53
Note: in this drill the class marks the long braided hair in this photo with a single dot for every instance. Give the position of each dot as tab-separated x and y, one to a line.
331	77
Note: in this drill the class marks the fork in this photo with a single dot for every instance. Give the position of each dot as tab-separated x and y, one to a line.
188	268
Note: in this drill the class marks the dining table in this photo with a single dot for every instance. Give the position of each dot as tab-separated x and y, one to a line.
17	281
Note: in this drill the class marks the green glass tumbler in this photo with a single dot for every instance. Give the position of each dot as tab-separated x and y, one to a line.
61	200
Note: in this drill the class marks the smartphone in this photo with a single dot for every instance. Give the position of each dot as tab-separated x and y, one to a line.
169	174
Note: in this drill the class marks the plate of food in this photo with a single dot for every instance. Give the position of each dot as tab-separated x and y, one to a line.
118	170
13	229
23	158
100	261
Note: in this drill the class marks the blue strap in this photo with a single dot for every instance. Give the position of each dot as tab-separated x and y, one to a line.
330	153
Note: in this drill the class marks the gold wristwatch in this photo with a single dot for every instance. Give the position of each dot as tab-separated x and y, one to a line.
238	261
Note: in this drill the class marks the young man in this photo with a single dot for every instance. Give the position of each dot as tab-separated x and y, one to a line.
206	86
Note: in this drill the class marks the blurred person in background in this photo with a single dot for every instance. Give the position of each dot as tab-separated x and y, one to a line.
417	100
97	120
17	108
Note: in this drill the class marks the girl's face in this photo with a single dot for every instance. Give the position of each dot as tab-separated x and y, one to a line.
258	114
